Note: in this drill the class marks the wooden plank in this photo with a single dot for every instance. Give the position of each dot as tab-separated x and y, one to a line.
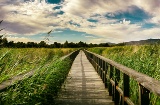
83	86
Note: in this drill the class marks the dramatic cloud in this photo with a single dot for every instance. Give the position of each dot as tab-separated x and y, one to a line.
109	20
29	18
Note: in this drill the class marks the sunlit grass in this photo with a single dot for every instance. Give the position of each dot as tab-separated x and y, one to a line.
144	59
43	86
18	61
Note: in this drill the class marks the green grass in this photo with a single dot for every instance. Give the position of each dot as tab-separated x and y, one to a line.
144	59
43	86
17	61
40	89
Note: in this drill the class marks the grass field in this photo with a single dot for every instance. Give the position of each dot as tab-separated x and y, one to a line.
144	59
43	86
17	61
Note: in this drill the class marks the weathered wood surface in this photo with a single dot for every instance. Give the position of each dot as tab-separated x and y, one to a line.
83	86
150	83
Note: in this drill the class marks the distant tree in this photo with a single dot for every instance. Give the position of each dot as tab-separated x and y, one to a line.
4	42
103	45
20	45
51	46
11	44
90	45
72	45
82	44
57	45
31	44
65	45
42	44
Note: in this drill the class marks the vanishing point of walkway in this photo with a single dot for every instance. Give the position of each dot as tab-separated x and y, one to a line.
83	86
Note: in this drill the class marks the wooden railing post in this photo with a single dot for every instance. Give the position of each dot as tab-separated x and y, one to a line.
101	69
105	75
93	60
110	69
96	62
104	68
98	65
125	87
117	94
143	95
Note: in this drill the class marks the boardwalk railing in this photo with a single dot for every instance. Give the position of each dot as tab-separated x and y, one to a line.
12	80
110	71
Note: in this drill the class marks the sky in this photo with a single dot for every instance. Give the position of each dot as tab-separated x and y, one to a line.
90	21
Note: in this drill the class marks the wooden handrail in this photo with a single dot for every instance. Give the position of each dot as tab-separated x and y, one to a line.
147	84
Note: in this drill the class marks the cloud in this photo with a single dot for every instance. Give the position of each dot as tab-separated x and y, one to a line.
152	7
57	31
90	7
90	36
115	29
30	18
20	39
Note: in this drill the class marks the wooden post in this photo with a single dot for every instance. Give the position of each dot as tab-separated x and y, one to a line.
110	69
125	87
105	73
117	78
97	64
101	69
94	64
92	59
143	95
104	68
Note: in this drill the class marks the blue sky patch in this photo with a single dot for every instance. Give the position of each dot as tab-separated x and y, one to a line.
149	25
92	20
54	1
57	7
133	13
73	23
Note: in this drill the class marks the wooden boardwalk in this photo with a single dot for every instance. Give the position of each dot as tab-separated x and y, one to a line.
83	86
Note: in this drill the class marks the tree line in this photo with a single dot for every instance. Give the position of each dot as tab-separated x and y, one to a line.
11	44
